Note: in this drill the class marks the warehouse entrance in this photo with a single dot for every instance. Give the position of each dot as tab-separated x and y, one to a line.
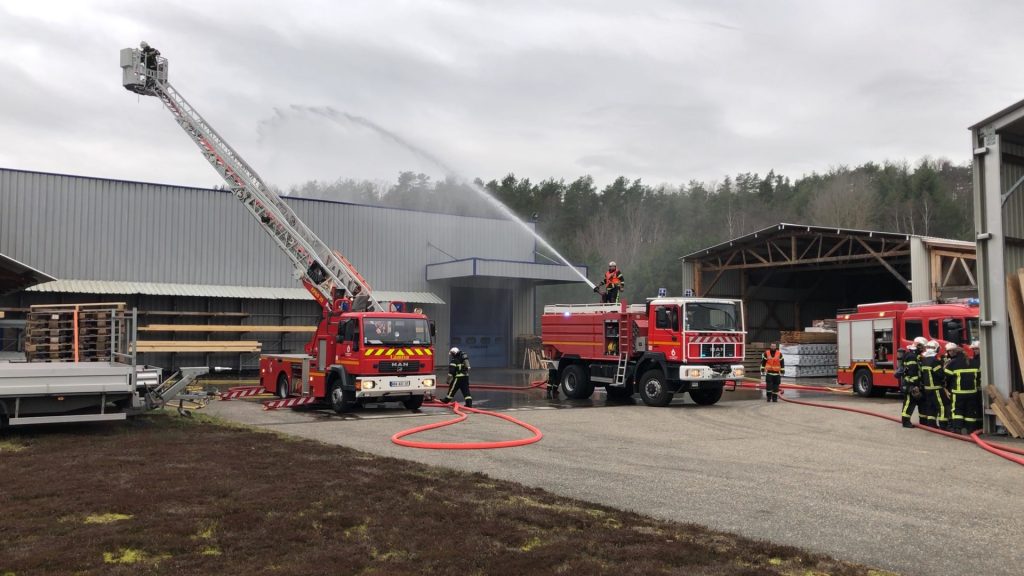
481	324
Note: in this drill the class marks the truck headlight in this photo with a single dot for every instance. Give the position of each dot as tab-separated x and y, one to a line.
428	383
694	373
738	371
368	384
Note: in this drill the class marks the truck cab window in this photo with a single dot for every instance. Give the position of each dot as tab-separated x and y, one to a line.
912	329
933	329
661	318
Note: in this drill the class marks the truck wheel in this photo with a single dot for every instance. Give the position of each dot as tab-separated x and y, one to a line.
576	384
282	386
619	392
862	383
706	397
342	400
653	389
413	402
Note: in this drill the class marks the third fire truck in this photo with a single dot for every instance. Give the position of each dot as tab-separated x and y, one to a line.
362	351
871	335
664	347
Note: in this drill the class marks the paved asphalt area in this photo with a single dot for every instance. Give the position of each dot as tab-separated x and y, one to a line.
859	488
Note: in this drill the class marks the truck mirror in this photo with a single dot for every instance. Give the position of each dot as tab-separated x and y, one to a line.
433	329
673	319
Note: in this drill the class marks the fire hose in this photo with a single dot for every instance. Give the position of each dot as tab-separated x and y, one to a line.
1006	452
461	413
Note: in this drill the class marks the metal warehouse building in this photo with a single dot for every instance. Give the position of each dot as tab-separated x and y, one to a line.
790	274
195	256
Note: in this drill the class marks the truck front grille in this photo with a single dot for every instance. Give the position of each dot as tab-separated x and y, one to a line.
717	350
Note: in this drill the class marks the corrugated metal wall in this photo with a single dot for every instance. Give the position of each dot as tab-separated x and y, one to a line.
91	229
1013	210
687	282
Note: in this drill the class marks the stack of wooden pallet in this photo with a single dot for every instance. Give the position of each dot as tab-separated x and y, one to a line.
200	346
805	337
70	332
1010	412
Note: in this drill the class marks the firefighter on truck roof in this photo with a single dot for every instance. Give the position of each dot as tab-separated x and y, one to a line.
612	284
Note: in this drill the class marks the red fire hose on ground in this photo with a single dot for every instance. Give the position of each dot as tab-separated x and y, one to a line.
1006	452
461	415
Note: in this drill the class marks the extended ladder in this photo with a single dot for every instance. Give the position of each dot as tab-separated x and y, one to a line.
320	268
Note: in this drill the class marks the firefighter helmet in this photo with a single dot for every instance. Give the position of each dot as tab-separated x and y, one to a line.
932	345
611	264
951	346
453	351
920	340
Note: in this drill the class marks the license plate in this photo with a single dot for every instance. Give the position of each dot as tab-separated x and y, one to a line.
397	383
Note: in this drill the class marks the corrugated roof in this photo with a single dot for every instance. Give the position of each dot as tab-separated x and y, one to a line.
211	291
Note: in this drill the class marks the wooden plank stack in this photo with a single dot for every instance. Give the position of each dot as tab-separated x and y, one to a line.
199	346
1010	412
70	332
224	328
804	337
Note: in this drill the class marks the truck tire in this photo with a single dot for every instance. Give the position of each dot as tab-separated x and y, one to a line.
654	390
862	382
282	386
576	383
619	392
706	397
343	401
413	403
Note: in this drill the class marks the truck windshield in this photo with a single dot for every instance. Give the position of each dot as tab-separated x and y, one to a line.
711	317
396	331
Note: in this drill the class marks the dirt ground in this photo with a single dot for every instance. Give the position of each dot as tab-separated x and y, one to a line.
169	495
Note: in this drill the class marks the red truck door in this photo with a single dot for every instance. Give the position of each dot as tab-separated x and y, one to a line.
664	331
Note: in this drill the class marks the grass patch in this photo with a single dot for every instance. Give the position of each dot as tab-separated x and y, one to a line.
238	501
11	447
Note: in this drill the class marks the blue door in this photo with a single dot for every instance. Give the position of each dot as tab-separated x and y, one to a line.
481	322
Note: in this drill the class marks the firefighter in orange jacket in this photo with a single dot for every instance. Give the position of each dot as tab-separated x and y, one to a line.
772	366
613	283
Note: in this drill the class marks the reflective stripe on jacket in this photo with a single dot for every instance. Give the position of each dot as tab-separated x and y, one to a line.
772	362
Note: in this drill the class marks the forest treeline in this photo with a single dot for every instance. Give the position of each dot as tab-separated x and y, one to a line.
646	228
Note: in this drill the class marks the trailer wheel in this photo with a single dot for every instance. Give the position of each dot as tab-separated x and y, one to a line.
413	403
282	386
619	392
862	383
576	384
342	400
654	390
706	397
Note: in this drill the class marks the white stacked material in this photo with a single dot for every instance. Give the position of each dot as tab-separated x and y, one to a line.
808	371
801	349
809	360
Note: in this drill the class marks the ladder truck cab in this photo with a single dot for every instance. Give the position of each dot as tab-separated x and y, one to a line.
664	347
350	359
870	337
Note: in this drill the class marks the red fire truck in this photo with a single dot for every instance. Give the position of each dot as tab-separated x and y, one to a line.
363	350
665	347
871	335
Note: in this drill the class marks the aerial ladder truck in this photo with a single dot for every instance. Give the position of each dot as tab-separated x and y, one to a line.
361	351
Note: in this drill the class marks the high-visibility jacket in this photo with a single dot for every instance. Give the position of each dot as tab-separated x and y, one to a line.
961	377
458	366
613	279
932	373
772	362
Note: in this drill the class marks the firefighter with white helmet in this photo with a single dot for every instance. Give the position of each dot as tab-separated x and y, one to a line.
930	408
612	284
965	394
910	385
458	376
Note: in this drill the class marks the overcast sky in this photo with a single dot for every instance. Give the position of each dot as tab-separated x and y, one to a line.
666	91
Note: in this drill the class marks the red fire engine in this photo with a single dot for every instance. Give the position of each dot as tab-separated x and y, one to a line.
870	337
665	347
360	352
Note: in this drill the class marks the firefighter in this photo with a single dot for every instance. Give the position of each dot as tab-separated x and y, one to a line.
458	376
612	284
962	385
930	410
772	365
910	385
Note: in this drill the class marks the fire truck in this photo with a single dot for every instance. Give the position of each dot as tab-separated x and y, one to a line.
664	347
362	351
870	337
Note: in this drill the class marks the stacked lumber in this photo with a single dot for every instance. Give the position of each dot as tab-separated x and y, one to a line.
532	360
752	357
807	337
199	346
223	328
1010	412
70	332
528	347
